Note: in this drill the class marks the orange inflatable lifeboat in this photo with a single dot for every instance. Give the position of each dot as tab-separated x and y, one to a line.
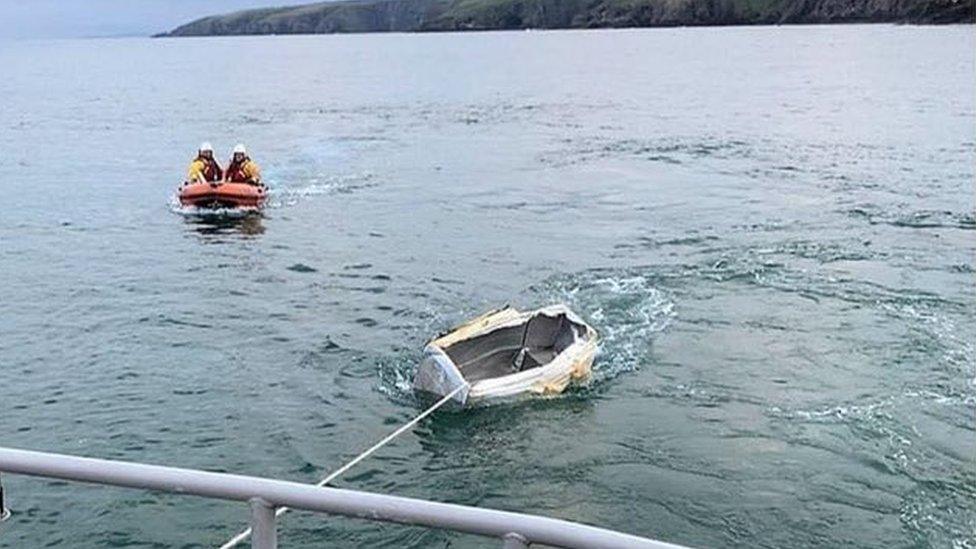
223	195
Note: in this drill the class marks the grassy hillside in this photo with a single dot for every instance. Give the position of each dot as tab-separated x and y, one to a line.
444	15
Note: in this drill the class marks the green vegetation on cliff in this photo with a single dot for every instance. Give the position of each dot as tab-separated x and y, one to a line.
447	15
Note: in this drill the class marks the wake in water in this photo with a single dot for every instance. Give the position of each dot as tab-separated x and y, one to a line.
193	212
625	307
280	195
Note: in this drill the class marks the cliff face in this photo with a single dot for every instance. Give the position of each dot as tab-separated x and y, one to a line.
322	18
443	15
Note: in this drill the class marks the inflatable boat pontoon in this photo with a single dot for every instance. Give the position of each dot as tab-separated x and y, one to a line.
222	195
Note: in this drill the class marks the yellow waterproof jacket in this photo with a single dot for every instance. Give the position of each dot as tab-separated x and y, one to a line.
245	172
199	172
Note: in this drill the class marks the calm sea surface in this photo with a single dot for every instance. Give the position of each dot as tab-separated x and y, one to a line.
773	229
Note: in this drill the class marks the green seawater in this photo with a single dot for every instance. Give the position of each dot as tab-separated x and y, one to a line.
772	228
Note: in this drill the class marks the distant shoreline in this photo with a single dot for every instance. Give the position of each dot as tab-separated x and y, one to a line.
529	29
428	16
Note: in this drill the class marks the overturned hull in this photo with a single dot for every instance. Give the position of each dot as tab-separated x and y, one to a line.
507	353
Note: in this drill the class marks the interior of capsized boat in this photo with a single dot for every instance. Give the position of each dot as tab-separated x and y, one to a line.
514	349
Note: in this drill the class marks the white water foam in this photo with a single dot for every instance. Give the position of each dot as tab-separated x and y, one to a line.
627	310
281	195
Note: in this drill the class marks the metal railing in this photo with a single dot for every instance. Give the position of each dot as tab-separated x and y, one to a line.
515	530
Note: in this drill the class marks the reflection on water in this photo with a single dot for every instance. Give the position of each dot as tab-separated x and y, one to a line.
249	224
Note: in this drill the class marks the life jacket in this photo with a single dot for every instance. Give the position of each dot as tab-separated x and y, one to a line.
211	170
237	172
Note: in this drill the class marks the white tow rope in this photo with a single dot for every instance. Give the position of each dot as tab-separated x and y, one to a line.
236	540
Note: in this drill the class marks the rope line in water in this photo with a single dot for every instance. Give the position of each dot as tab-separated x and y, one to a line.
236	540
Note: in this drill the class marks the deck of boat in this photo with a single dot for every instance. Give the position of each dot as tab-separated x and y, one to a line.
502	363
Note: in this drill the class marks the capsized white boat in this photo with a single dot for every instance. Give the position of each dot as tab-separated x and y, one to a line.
507	353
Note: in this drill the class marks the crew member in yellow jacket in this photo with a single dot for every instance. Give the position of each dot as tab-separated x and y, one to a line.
242	169
204	167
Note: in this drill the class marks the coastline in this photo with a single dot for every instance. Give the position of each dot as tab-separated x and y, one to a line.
435	16
558	29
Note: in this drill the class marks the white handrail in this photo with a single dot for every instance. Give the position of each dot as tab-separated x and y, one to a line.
366	505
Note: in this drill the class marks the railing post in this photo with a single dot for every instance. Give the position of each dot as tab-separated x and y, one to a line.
4	512
514	541
264	533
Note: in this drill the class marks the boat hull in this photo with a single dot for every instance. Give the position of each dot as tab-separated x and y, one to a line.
439	374
223	195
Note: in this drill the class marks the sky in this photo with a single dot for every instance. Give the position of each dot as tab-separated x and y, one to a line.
86	18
